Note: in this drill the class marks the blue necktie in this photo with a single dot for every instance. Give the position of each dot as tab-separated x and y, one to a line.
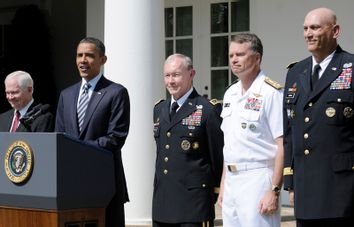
83	103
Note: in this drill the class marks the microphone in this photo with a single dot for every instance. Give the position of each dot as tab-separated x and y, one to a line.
32	115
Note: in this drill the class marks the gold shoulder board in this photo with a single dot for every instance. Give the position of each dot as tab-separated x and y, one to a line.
214	101
291	65
158	102
273	83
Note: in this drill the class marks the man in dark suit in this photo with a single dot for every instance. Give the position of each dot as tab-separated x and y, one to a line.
319	128
189	151
19	93
97	111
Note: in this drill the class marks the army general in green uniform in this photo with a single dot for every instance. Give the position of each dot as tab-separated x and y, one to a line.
189	145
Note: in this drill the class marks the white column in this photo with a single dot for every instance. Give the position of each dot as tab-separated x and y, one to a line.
135	50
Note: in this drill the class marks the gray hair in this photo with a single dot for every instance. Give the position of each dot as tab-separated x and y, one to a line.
23	78
256	44
187	61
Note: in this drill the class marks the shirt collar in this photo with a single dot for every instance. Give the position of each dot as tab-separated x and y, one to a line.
255	86
93	82
181	100
324	63
23	111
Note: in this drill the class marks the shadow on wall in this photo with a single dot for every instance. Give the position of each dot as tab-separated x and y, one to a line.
27	48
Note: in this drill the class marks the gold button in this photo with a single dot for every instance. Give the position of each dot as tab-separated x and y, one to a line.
166	159
352	167
306	135
307	119
165	171
167	146
203	185
190	134
339	100
306	152
168	134
310	104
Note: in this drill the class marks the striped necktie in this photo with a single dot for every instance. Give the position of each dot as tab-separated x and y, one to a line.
83	103
16	122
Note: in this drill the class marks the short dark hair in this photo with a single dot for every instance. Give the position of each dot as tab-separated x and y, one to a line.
245	37
98	43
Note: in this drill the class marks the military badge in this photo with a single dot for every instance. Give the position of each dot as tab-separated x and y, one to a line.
291	91
252	127
243	125
195	145
185	145
344	80
292	114
330	112
347	65
253	104
348	112
226	104
19	162
195	118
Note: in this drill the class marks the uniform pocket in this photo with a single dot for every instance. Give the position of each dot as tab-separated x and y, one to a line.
198	181
343	162
339	107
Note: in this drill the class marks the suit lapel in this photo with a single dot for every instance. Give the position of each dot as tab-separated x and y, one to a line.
330	74
165	111
96	97
188	107
72	111
305	76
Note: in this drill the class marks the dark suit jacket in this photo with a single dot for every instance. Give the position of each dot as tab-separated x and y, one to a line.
43	123
189	160
106	122
319	139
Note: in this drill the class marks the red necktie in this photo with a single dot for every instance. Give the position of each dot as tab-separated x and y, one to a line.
16	122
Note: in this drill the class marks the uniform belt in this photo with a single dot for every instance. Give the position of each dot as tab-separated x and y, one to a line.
235	167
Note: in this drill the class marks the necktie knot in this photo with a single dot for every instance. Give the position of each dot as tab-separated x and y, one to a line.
315	75
86	88
174	108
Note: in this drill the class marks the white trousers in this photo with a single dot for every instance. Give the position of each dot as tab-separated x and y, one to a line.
242	192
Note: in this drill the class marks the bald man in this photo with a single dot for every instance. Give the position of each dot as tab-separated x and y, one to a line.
319	127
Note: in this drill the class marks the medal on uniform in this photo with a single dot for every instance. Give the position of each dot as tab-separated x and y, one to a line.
252	127
348	112
243	125
185	145
253	104
344	80
194	119
330	112
195	145
292	114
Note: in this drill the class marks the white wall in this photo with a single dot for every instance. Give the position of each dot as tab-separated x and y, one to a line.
279	24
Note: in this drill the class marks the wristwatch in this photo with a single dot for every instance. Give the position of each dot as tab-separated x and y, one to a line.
276	189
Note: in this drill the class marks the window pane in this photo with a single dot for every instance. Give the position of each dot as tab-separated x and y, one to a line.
185	46
184	23
168	48
219	17
219	51
168	22
219	81
240	16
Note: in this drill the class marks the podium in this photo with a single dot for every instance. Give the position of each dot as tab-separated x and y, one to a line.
67	183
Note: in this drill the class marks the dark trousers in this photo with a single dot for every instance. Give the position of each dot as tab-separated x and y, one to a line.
115	214
200	224
326	222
